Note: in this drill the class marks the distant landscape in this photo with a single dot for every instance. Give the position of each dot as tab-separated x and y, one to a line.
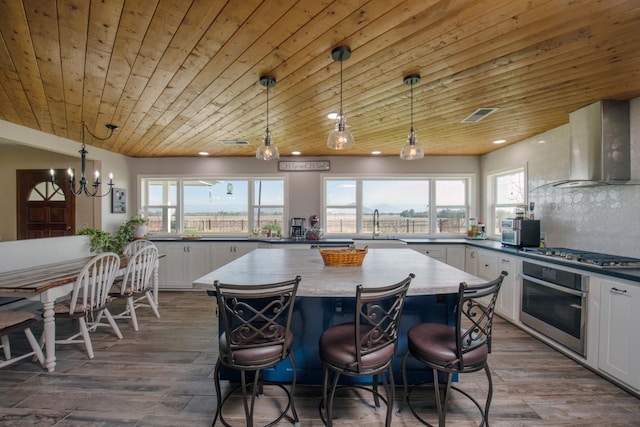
339	224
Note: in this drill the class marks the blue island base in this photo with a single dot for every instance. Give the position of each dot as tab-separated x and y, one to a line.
313	315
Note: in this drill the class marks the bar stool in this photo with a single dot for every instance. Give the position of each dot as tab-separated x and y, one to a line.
256	325
458	349
364	347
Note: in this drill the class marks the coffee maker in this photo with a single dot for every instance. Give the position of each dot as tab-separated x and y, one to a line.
297	231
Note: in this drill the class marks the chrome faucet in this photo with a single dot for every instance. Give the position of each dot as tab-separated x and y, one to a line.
376	223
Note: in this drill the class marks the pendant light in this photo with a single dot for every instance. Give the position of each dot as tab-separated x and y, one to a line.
340	138
266	151
412	150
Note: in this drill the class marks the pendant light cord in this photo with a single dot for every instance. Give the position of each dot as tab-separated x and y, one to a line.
267	108
341	114
412	106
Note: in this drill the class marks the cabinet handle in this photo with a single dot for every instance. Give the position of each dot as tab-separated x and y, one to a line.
617	291
473	254
505	261
189	249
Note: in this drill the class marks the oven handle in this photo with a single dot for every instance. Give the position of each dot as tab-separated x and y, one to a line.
556	287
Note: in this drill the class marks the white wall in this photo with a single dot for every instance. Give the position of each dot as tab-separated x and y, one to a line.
25	153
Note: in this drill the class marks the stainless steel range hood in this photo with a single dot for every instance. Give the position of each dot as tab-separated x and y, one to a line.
600	145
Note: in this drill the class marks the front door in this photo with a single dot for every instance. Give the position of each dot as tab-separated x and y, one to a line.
45	209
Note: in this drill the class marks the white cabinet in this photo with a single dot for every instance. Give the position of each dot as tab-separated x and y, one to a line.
490	265
183	263
438	252
224	253
487	264
471	260
455	256
452	255
619	341
508	304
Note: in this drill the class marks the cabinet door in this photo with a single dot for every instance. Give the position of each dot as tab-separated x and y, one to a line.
487	264
619	333
455	256
182	264
243	248
198	261
508	304
173	269
471	260
438	252
224	253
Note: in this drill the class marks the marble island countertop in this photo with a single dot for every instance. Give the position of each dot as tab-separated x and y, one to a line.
380	267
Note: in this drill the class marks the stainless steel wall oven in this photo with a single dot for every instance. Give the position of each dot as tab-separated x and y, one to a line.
554	303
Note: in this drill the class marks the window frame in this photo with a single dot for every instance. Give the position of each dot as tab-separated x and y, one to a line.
492	227
469	178
179	206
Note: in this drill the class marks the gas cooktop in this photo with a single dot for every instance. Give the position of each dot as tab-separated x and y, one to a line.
592	259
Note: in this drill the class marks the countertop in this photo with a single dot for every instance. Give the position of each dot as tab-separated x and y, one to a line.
621	273
380	267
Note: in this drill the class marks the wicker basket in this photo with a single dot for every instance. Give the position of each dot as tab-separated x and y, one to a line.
351	256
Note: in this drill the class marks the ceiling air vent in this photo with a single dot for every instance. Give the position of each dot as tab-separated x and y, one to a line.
479	114
234	142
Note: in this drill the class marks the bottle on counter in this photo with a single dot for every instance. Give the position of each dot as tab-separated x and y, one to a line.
473	228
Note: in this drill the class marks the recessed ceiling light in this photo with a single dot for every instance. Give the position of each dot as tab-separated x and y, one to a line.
499	141
542	141
295	153
203	153
332	116
376	152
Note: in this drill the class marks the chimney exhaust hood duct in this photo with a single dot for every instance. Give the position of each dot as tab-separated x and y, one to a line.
600	145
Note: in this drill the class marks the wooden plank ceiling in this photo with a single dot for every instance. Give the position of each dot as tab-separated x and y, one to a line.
180	76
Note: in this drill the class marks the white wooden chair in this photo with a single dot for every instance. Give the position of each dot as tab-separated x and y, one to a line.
136	285
90	298
18	321
134	246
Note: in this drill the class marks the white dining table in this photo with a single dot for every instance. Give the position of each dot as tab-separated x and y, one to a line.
48	283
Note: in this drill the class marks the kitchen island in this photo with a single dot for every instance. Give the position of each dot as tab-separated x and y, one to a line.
326	296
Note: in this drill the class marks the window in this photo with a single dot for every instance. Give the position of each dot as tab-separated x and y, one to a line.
507	192
405	206
213	205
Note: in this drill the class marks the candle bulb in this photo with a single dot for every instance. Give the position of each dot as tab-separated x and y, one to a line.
110	178
52	177
70	172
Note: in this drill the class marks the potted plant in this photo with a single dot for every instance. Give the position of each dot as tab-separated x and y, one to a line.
99	241
138	225
102	241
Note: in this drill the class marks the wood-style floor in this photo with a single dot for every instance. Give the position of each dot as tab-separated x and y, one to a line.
162	376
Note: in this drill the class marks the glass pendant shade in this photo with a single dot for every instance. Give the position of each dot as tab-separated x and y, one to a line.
340	138
266	151
412	150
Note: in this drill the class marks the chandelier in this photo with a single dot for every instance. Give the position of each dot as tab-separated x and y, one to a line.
83	184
